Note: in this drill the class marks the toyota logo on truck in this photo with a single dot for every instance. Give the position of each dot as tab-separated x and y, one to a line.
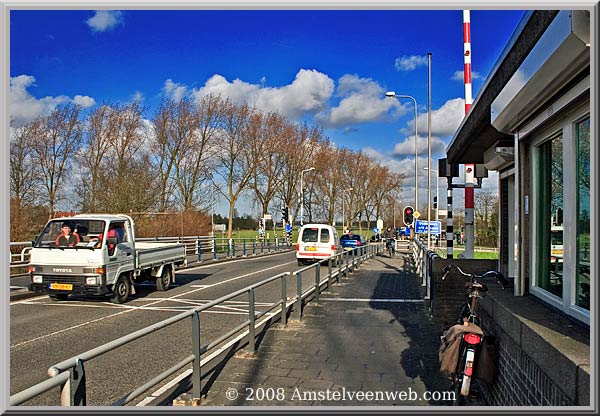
56	270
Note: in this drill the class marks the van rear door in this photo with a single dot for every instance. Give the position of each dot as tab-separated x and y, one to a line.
309	241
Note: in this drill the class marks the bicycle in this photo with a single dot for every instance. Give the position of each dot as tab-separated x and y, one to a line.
464	339
390	245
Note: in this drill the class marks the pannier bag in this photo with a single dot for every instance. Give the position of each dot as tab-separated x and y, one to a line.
486	368
450	344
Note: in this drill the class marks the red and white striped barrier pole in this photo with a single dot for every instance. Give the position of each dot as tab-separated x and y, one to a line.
469	168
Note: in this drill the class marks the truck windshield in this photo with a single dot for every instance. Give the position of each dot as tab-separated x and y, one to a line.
71	233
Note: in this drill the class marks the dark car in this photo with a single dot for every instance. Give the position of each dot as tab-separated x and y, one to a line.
350	241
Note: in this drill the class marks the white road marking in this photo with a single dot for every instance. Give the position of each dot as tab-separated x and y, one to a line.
230	262
129	308
29	300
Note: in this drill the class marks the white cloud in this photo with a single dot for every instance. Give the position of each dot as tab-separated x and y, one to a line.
363	101
104	20
174	90
24	107
137	96
444	121
407	146
460	75
84	101
308	93
410	63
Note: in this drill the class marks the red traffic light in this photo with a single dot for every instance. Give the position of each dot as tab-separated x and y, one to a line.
409	215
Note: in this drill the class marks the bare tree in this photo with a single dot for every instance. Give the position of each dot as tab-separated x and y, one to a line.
195	166
330	165
24	179
57	141
486	218
298	154
127	181
234	165
266	141
101	124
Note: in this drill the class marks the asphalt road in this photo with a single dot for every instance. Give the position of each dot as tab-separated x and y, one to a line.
44	332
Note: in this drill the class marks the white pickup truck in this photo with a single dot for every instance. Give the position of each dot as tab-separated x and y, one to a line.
100	257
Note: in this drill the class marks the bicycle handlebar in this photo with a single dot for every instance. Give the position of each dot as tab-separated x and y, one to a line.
500	279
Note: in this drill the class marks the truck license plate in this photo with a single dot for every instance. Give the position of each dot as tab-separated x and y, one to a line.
61	286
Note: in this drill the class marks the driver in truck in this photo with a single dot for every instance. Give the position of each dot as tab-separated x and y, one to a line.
67	238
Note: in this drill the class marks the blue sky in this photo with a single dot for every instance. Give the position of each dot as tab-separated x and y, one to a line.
330	68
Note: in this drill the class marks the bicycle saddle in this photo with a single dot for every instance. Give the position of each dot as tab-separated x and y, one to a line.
481	286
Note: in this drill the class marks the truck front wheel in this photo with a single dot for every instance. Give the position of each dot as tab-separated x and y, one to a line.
164	281
121	290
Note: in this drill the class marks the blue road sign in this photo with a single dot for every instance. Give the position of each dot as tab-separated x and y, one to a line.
376	230
288	228
421	227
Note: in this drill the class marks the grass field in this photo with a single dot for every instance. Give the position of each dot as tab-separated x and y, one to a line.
487	254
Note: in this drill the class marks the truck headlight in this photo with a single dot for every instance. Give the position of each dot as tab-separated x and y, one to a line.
91	280
36	278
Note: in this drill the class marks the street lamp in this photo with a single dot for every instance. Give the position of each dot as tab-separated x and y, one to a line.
394	95
437	192
302	195
343	215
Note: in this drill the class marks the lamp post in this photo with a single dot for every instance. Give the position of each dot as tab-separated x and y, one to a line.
437	192
428	148
343	212
394	95
302	194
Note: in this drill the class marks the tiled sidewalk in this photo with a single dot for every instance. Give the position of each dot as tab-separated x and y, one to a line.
368	342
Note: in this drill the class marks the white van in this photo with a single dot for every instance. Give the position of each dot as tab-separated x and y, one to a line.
317	242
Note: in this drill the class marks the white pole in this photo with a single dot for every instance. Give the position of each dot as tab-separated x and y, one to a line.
301	200
429	150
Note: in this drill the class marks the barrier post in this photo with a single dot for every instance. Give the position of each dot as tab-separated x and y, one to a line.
284	299
317	281
196	388
299	295
252	324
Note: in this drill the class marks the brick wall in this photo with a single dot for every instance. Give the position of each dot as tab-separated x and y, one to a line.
520	382
449	295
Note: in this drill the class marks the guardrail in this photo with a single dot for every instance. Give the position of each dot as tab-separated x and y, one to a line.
19	256
70	374
424	265
198	248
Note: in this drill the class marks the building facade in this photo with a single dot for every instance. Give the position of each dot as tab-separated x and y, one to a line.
533	123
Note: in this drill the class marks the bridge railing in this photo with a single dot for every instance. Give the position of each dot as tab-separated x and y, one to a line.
197	248
70	375
423	258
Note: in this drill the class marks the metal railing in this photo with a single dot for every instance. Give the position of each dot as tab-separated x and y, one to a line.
423	259
197	249
19	257
70	374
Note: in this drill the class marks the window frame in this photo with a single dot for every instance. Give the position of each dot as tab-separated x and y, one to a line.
567	128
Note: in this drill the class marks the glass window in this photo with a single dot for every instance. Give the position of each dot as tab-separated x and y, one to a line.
582	290
550	213
310	235
324	235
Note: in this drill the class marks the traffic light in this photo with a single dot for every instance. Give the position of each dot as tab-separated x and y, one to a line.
409	215
260	223
435	202
285	213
